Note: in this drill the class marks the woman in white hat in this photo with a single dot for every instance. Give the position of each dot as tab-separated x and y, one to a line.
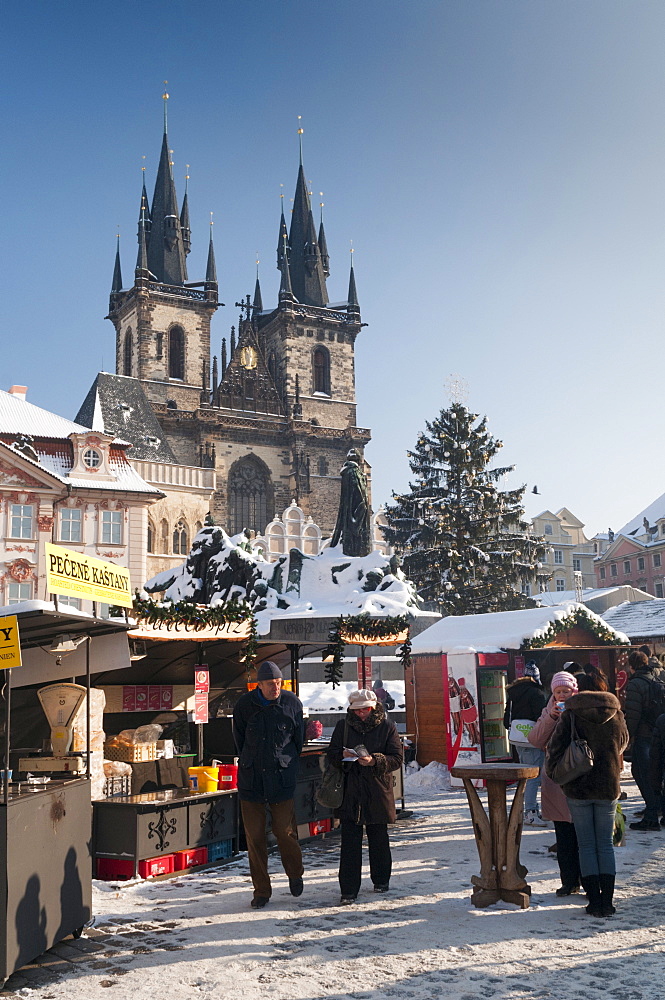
367	747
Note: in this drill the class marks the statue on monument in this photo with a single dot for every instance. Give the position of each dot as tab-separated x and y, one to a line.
353	524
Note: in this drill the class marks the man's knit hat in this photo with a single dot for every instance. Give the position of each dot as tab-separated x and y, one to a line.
531	670
269	671
564	680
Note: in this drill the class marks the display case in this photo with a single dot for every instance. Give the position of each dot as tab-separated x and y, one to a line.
492	685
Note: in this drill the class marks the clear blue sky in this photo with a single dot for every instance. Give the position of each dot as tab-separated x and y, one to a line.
498	164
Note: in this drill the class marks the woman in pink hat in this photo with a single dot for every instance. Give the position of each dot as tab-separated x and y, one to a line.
552	800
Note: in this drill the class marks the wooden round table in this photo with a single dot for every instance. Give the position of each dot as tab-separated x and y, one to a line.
498	834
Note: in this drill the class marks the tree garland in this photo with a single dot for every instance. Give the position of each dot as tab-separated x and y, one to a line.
580	617
363	625
198	617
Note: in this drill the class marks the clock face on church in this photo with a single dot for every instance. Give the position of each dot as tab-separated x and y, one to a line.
248	358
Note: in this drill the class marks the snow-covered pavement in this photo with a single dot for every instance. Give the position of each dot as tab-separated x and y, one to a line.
195	936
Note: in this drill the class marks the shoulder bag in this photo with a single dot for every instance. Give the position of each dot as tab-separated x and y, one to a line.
577	758
331	790
519	730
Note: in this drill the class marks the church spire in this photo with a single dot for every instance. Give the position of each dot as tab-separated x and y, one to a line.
323	246
257	305
116	284
211	267
283	238
285	288
184	217
307	273
166	246
352	305
142	270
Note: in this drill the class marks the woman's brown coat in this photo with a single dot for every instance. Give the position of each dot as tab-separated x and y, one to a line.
598	720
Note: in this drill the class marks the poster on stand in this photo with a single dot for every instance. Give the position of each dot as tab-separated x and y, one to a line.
461	709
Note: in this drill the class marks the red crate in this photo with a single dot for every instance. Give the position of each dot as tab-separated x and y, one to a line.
190	858
115	869
162	865
320	826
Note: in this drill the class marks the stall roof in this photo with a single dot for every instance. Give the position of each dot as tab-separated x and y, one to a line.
639	620
598	599
500	630
40	623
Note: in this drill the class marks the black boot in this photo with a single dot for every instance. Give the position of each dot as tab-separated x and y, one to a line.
591	885
606	895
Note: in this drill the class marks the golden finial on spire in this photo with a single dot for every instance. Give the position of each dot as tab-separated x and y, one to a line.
143	167
211	222
165	98
300	135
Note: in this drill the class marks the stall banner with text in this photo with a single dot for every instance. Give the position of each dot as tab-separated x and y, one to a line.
76	575
10	643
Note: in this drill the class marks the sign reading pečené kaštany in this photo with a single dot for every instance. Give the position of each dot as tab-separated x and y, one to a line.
76	575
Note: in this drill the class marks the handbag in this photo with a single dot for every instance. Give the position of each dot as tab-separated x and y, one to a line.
577	759
331	790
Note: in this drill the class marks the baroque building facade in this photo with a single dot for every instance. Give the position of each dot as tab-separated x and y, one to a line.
274	413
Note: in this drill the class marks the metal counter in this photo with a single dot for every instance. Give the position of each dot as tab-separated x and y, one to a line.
45	902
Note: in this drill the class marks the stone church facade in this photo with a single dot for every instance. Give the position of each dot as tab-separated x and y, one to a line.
275	414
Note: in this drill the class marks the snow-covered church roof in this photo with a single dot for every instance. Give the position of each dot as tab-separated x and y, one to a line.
497	631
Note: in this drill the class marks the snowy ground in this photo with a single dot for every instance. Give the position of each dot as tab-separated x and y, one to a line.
195	936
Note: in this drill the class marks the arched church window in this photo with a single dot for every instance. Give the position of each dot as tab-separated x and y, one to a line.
321	366
322	466
151	537
251	503
177	352
127	354
164	536
180	546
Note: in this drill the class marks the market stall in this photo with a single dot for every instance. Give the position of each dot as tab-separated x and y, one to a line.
48	815
461	668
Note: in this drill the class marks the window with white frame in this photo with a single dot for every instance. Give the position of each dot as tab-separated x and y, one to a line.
626	565
656	559
640	563
659	589
577	565
21	520
613	569
70	602
112	527
70	524
558	556
18	592
560	585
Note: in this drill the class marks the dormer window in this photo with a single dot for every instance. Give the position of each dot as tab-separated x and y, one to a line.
92	459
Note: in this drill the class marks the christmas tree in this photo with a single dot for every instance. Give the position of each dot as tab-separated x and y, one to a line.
464	542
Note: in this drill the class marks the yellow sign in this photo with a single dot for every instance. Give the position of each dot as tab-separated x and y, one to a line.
10	643
77	575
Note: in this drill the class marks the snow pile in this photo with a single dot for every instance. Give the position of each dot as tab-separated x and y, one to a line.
322	697
499	630
433	777
220	568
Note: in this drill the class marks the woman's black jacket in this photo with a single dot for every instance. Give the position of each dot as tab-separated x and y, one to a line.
368	791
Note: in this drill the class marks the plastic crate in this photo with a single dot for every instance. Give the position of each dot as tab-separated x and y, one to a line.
163	865
115	869
190	858
220	849
138	753
319	826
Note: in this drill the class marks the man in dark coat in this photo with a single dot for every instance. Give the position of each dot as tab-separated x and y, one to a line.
269	732
657	762
526	700
639	694
368	790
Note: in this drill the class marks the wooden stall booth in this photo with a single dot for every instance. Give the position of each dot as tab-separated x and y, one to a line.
461	668
45	813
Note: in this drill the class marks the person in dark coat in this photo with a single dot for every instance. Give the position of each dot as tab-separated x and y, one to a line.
657	762
526	700
368	790
269	732
638	696
592	797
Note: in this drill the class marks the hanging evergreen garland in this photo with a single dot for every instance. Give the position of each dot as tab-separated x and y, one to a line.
364	630
197	617
581	617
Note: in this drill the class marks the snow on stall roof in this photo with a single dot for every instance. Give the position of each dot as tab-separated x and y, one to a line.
638	619
652	513
551	598
25	606
492	633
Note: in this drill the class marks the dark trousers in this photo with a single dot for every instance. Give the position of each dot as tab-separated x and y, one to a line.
286	833
641	771
567	853
350	859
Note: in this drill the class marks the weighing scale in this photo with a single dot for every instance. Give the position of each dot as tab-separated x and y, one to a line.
60	703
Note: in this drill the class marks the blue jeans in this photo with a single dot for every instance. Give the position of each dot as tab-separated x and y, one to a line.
594	826
534	758
641	771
